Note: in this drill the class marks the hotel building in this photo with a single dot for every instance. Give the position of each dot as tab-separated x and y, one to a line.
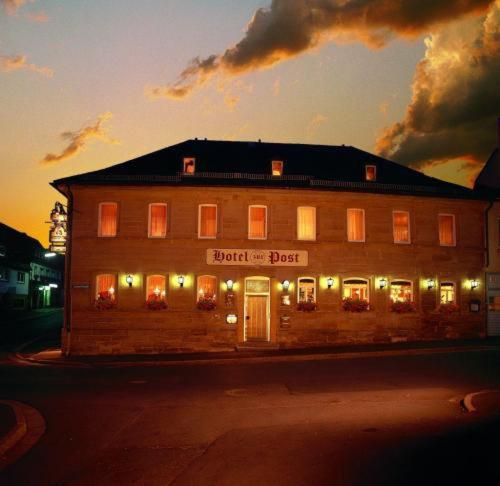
210	245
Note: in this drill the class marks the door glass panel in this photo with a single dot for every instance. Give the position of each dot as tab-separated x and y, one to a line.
257	286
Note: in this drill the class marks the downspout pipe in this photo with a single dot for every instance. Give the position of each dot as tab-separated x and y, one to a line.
487	231
67	273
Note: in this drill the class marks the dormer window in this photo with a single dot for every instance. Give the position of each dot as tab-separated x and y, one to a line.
370	172
189	165
277	167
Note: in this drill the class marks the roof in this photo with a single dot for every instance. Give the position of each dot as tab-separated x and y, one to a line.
224	163
488	179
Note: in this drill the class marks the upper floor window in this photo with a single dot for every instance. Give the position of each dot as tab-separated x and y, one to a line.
157	221
257	222
447	293
306	223
306	290
401	226
401	291
21	277
356	225
277	167
207	287
189	165
447	229
355	288
108	219
207	221
370	172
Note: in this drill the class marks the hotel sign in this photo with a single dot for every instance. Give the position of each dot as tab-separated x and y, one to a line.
262	258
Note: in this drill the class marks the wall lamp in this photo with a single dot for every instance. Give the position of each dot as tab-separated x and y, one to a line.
286	285
180	280
430	284
129	279
474	284
382	283
49	254
329	282
229	284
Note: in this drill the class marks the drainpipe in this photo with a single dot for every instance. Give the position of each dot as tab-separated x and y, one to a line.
487	232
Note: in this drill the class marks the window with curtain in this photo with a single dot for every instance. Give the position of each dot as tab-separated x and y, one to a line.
355	225
105	287
306	223
156	287
207	222
257	222
370	172
108	219
207	287
189	165
277	167
446	229
157	220
401	226
447	293
306	290
401	291
355	289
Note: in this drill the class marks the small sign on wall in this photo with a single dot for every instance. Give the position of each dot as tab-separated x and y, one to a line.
475	305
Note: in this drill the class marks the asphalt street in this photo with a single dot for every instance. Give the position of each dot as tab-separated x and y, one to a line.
385	420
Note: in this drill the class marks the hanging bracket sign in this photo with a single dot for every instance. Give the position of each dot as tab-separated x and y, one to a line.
261	258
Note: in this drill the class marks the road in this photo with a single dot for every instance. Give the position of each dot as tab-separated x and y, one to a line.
385	420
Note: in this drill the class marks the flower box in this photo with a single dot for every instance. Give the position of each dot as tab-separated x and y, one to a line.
104	300
206	303
448	308
403	307
355	305
307	306
155	302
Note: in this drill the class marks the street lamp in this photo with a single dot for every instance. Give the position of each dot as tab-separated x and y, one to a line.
129	279
329	282
180	280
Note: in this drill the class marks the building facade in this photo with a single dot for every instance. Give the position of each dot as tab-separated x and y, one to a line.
216	245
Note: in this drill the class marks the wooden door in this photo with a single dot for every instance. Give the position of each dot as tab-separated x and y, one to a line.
256	318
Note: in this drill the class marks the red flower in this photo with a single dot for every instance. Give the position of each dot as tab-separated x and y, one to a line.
355	305
206	302
104	300
403	307
448	308
155	302
307	306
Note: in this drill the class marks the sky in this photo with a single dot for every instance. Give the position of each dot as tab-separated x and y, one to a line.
87	84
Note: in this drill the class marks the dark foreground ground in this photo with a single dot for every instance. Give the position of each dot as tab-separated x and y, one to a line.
366	421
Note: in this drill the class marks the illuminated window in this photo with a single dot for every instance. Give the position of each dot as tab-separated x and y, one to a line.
189	165
447	229
447	293
370	172
257	222
207	221
157	220
401	226
277	167
108	219
105	287
356	225
4	274
401	291
156	287
306	223
21	277
206	287
306	290
354	288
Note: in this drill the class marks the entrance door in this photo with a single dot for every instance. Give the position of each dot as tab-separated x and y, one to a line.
257	309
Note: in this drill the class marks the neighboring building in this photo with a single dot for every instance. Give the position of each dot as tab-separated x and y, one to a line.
209	245
28	279
488	181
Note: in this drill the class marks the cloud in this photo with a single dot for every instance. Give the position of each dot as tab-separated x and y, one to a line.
12	6
19	63
316	121
277	87
38	17
290	27
455	101
77	141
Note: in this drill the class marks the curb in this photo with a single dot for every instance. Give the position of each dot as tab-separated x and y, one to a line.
466	403
16	433
231	360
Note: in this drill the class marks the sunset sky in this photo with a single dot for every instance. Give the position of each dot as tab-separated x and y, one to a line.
87	84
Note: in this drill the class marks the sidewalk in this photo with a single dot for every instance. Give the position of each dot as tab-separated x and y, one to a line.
54	356
11	316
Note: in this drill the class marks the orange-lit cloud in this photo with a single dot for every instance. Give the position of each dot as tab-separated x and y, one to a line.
77	141
452	116
290	27
12	6
316	121
19	63
38	17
